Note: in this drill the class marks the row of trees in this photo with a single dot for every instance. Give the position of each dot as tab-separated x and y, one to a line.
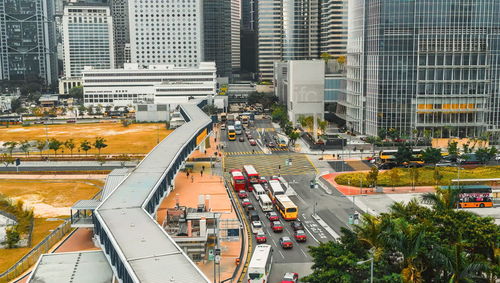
53	144
413	243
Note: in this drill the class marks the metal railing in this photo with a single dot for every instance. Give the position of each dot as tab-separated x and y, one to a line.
34	254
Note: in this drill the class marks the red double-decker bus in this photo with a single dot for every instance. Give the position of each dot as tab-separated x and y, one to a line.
239	181
251	174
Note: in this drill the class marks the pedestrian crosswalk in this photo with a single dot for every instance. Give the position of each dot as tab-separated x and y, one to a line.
271	164
265	129
234	153
279	149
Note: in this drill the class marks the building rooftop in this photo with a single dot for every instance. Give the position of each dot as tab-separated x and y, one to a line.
73	267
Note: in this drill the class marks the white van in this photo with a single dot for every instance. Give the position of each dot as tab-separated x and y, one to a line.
258	190
265	203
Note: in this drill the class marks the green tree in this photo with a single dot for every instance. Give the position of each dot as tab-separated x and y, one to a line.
453	150
437	176
372	176
12	237
15	105
210	109
10	145
70	144
99	144
293	136
442	199
326	56
485	154
322	125
25	147
40	145
395	177
55	145
279	113
382	133
76	92
341	60
7	159
85	145
403	155
81	110
431	155
393	134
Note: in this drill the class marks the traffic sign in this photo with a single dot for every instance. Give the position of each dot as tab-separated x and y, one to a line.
18	161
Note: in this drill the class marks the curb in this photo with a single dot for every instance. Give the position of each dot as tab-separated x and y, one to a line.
325	226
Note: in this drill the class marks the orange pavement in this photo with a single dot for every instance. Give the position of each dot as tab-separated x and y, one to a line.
187	189
351	190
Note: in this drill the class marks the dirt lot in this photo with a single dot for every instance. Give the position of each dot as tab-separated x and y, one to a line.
136	138
50	198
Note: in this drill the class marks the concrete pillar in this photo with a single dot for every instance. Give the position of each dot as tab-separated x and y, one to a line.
315	128
203	227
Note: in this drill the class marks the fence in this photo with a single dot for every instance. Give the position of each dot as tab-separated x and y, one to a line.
32	257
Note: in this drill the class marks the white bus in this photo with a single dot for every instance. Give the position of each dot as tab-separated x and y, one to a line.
265	203
260	264
275	189
238	128
258	190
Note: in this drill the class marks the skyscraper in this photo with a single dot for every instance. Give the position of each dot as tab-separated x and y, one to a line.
333	27
287	30
27	40
248	36
424	65
221	24
119	12
166	32
87	38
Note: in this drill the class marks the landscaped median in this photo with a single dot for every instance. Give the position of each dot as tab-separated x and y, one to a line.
425	176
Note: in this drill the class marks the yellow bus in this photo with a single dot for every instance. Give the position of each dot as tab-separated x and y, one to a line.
286	207
231	133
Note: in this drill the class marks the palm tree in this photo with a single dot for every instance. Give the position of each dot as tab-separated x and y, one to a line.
369	232
40	145
407	240
25	147
442	199
458	265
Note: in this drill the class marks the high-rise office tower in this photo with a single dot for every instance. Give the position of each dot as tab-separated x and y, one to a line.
221	24
424	65
248	36
287	30
119	12
166	32
27	40
333	27
87	38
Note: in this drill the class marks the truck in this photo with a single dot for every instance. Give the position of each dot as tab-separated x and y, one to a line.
238	128
230	119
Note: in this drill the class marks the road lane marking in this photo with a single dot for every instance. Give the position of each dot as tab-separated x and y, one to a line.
303	252
281	254
311	234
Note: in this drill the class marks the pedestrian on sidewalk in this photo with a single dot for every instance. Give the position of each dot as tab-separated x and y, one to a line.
187	173
192	178
201	173
202	167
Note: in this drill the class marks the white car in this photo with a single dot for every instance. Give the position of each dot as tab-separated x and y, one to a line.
256	227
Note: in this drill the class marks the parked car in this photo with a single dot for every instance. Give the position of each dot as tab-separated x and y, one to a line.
290	277
256	227
260	237
246	202
300	236
286	242
276	226
272	216
297	225
252	142
242	194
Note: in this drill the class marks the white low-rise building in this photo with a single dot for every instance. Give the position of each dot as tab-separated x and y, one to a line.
159	84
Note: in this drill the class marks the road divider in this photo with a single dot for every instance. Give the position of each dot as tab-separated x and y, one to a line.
325	226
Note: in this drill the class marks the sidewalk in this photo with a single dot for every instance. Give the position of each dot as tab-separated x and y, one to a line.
186	192
351	190
76	163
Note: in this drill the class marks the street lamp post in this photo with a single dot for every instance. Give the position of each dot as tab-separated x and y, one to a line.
371	266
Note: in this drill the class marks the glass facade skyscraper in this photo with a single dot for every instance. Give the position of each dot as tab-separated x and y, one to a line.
27	40
424	65
287	30
221	24
333	27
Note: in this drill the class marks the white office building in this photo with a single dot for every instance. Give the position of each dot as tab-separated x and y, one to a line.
159	84
301	85
87	38
166	32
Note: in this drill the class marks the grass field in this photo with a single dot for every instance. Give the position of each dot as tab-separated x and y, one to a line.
50	198
41	229
136	138
426	176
